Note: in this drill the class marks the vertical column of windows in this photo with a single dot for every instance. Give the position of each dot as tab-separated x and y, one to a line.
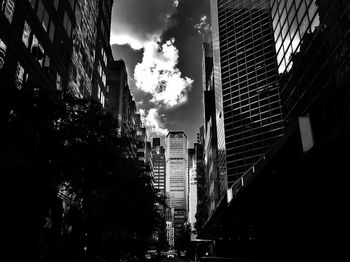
3	48
8	8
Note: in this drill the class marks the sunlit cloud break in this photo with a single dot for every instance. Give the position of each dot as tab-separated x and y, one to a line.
153	123
159	76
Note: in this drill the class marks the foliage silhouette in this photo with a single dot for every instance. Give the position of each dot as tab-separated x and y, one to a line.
53	139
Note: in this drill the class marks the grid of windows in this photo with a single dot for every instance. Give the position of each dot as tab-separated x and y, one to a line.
249	83
291	19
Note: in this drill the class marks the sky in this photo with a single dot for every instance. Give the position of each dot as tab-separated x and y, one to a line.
161	44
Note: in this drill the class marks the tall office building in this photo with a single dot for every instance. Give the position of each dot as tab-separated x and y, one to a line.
158	160
209	131
56	44
176	173
248	111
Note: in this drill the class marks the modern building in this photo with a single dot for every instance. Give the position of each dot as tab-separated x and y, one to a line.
61	45
190	155
192	207
247	100
210	138
119	100
158	160
176	176
297	192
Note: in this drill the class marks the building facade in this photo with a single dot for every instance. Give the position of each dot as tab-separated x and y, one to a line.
248	111
210	138
158	160
265	208
62	45
176	176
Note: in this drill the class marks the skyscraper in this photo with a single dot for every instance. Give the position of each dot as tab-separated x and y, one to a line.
176	173
158	160
248	111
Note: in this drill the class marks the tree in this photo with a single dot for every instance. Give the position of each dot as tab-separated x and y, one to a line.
54	140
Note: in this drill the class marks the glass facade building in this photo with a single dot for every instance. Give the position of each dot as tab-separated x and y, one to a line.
248	110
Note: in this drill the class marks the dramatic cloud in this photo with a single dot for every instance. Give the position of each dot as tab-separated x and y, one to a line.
153	123
158	75
203	25
136	22
150	27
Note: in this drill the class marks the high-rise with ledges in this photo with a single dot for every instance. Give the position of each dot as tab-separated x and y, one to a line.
176	155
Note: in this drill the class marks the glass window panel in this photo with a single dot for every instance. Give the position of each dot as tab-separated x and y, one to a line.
52	31
58	82
283	16
315	23
295	42
3	48
33	3
292	14
40	10
19	76
301	11
56	2
9	9
45	21
26	33
304	25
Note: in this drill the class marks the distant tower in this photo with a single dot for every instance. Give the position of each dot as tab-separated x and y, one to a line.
176	178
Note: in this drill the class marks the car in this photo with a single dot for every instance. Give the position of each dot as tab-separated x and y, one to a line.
148	256
170	254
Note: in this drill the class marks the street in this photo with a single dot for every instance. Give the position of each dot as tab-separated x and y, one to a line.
176	259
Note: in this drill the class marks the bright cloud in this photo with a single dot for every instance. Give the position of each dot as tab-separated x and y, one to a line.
153	123
203	25
159	76
176	3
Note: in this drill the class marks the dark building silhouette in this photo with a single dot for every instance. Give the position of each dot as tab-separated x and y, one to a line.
120	101
60	45
159	169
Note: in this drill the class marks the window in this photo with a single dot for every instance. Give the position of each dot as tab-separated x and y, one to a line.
51	31
33	3
26	33
19	76
3	48
67	24
8	7
43	15
72	3
56	3
37	50
58	82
